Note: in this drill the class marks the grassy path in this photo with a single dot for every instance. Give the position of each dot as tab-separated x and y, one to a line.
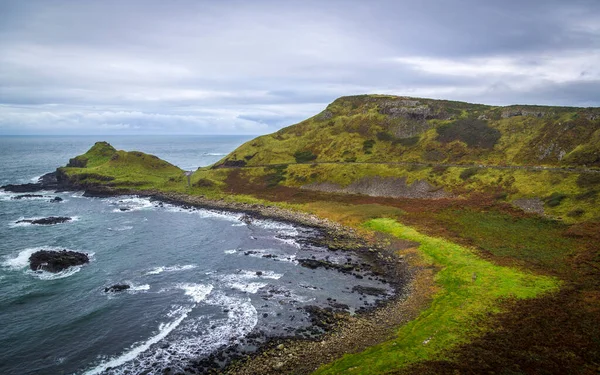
470	289
431	164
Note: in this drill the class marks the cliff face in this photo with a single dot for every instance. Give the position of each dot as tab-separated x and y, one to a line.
373	128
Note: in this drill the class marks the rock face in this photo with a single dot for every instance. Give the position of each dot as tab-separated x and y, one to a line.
117	288
383	187
56	261
46	220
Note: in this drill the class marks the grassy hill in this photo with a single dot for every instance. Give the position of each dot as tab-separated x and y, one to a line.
546	159
104	165
372	128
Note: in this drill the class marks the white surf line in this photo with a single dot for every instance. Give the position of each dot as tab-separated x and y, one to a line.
164	330
196	291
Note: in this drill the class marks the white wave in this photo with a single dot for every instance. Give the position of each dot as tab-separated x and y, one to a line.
232	251
204	213
239	225
163	330
5	195
36	178
289	241
198	292
260	253
263	275
187	338
251	288
129	204
279	227
44	275
139	288
159	270
121	229
246	281
213	154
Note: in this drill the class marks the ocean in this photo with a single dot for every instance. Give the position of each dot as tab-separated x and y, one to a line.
200	280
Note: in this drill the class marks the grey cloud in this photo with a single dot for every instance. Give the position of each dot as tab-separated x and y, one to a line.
71	66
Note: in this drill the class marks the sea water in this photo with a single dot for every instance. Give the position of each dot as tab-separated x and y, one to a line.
199	279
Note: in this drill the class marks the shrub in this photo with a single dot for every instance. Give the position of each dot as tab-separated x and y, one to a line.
407	142
587	195
276	175
385	136
578	212
588	180
554	199
473	132
368	146
304	156
204	183
468	173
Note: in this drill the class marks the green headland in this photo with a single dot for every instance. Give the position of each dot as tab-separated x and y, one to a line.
500	205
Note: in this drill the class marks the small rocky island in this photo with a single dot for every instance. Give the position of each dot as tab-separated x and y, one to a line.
46	220
56	261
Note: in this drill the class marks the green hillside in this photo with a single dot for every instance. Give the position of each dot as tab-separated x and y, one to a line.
545	159
373	128
104	165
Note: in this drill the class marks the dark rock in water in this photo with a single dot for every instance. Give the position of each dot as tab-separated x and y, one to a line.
24	188
47	220
123	209
369	290
49	181
117	288
26	196
56	261
259	273
246	219
315	263
56	199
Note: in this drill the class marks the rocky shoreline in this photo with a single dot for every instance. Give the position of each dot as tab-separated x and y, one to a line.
334	331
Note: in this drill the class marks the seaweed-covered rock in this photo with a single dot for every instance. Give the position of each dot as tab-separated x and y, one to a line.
56	261
46	220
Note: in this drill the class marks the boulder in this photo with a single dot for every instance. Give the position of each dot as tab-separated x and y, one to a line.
117	288
56	199
56	261
46	220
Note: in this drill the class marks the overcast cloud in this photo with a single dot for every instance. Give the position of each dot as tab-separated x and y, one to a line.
251	67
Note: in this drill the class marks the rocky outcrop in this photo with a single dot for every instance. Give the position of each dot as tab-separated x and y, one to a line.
523	112
46	220
56	261
48	181
383	187
533	205
231	163
116	288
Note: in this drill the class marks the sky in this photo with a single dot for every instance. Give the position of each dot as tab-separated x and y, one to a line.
252	67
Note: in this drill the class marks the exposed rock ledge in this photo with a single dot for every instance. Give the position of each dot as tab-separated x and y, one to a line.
383	187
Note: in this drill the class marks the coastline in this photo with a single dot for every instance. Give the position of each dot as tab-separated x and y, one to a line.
338	332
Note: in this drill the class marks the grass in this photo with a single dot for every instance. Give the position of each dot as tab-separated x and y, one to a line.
470	288
539	242
125	169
